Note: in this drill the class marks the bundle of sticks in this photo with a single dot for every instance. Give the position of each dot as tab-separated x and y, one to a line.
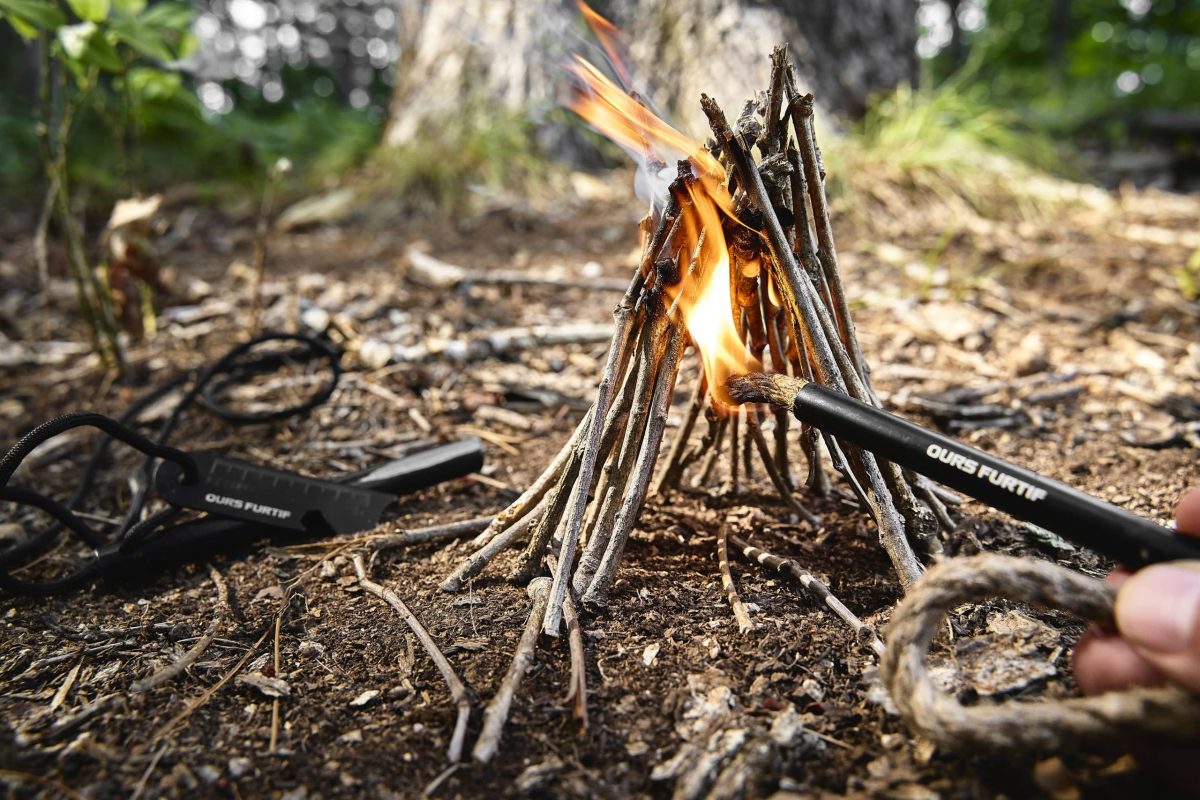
769	217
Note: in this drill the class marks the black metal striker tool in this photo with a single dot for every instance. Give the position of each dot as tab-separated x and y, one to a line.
1024	494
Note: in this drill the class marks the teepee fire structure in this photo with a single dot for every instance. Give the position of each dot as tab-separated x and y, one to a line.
739	266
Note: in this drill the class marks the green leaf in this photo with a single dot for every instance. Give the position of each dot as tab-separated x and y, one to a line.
188	43
173	16
23	28
130	8
143	39
90	10
85	44
103	53
152	84
38	13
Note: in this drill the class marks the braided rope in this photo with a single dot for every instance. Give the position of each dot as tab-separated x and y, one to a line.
1047	724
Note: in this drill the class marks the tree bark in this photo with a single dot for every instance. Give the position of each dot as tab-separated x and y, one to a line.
460	56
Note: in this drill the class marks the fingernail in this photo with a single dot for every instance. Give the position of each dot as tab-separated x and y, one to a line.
1158	608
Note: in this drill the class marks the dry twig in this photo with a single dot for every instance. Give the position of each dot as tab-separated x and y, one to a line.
193	654
458	692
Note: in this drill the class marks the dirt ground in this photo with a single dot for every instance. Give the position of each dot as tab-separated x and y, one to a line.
1067	319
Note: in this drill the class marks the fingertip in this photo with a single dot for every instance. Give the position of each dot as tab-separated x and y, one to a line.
1103	662
1187	512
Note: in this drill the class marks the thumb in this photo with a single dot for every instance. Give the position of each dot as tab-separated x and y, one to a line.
1158	612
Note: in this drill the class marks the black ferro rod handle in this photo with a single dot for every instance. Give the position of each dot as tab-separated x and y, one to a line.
1093	523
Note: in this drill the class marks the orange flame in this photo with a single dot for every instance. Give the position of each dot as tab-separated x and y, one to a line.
703	296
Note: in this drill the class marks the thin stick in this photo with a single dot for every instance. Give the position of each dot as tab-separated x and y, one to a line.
496	713
864	633
577	683
648	373
597	592
537	490
740	612
275	703
764	451
193	654
829	357
735	483
458	692
141	784
801	110
434	533
714	452
669	477
618	354
475	563
211	691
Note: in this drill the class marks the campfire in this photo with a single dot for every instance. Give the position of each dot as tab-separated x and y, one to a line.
739	267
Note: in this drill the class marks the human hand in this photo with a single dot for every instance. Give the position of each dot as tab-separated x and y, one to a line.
1158	623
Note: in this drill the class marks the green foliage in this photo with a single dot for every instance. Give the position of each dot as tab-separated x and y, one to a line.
945	141
483	149
1093	70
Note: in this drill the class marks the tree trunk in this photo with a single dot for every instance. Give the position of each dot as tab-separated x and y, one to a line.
460	56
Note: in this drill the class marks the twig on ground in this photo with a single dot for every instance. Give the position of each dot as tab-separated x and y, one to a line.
141	784
434	533
577	683
740	612
496	713
275	701
172	671
458	692
435	273
211	691
863	632
473	564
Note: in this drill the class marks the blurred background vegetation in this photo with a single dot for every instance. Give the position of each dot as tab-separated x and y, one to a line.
221	89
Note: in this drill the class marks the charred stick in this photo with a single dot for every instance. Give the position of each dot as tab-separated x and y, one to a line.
712	420
800	297
748	453
496	713
714	452
863	632
740	613
779	364
458	692
735	483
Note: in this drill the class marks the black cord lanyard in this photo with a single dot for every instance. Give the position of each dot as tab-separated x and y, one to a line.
207	386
